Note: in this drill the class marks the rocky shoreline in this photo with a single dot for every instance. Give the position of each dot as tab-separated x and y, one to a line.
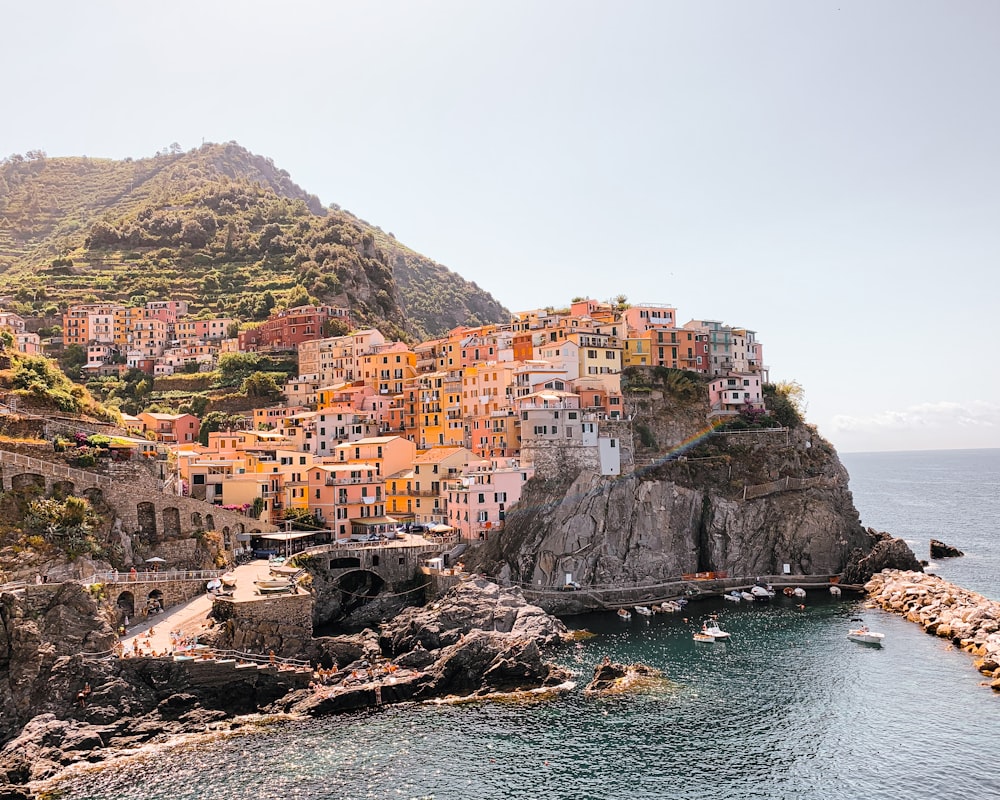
969	620
477	640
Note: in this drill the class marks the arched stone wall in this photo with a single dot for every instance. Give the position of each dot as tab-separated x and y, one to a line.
94	495
27	480
126	602
171	522
62	489
196	520
146	519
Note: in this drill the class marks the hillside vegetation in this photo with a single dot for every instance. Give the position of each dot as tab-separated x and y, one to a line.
219	227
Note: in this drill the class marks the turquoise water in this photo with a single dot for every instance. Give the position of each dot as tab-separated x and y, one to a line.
789	709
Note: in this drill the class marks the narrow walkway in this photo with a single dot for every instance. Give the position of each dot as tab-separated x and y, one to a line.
191	618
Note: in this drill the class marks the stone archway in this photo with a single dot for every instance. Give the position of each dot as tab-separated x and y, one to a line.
62	489
154	602
171	522
357	588
126	604
94	495
209	522
146	516
27	481
196	520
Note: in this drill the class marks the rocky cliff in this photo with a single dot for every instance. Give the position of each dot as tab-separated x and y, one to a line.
745	503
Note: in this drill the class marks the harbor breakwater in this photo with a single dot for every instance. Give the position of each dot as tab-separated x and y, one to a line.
969	620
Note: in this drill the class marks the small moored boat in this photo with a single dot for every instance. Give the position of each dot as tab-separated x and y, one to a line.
623	614
733	596
835	591
711	628
747	596
761	593
670	606
646	611
798	591
703	637
864	635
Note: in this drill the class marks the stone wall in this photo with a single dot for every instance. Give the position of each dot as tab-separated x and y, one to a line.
168	592
396	566
139	504
558	457
281	624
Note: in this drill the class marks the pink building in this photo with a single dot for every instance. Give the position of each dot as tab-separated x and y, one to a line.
479	499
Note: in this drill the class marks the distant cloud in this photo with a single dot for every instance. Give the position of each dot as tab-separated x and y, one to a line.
922	417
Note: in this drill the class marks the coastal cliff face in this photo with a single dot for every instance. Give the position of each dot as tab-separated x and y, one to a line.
746	504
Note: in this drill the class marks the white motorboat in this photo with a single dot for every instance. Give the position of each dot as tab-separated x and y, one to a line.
670	606
864	635
712	629
747	596
761	594
733	596
624	615
699	636
646	611
798	591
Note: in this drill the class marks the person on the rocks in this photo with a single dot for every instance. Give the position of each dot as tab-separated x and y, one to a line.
82	695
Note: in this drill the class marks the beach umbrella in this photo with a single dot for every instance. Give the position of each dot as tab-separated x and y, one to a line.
156	560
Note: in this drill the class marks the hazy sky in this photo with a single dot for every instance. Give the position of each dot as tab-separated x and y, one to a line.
825	173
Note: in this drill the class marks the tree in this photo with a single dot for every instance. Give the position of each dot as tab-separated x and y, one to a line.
233	368
785	402
218	421
260	385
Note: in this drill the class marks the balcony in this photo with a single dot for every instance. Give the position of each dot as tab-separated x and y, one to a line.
352	481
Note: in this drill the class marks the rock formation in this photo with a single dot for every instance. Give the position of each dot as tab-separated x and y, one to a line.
746	507
477	639
941	550
885	552
614	678
969	620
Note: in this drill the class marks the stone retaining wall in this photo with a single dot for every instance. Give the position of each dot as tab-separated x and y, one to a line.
282	624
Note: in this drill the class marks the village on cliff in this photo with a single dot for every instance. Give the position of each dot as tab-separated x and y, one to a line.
373	435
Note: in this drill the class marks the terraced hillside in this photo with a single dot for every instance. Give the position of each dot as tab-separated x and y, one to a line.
219	227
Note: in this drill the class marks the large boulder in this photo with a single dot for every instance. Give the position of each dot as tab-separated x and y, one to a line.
614	678
474	604
887	552
941	550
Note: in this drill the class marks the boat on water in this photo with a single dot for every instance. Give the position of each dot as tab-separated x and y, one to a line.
670	606
864	635
747	596
733	596
646	611
835	591
798	591
711	628
761	594
623	614
703	637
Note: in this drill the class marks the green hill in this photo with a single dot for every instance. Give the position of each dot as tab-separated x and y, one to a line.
219	227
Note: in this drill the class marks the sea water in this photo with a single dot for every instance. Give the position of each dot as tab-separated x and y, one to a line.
789	708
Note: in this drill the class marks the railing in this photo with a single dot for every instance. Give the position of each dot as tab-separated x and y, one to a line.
259	658
54	468
152	577
680	586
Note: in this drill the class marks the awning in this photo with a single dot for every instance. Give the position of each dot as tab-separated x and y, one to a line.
440	528
287	537
368	522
